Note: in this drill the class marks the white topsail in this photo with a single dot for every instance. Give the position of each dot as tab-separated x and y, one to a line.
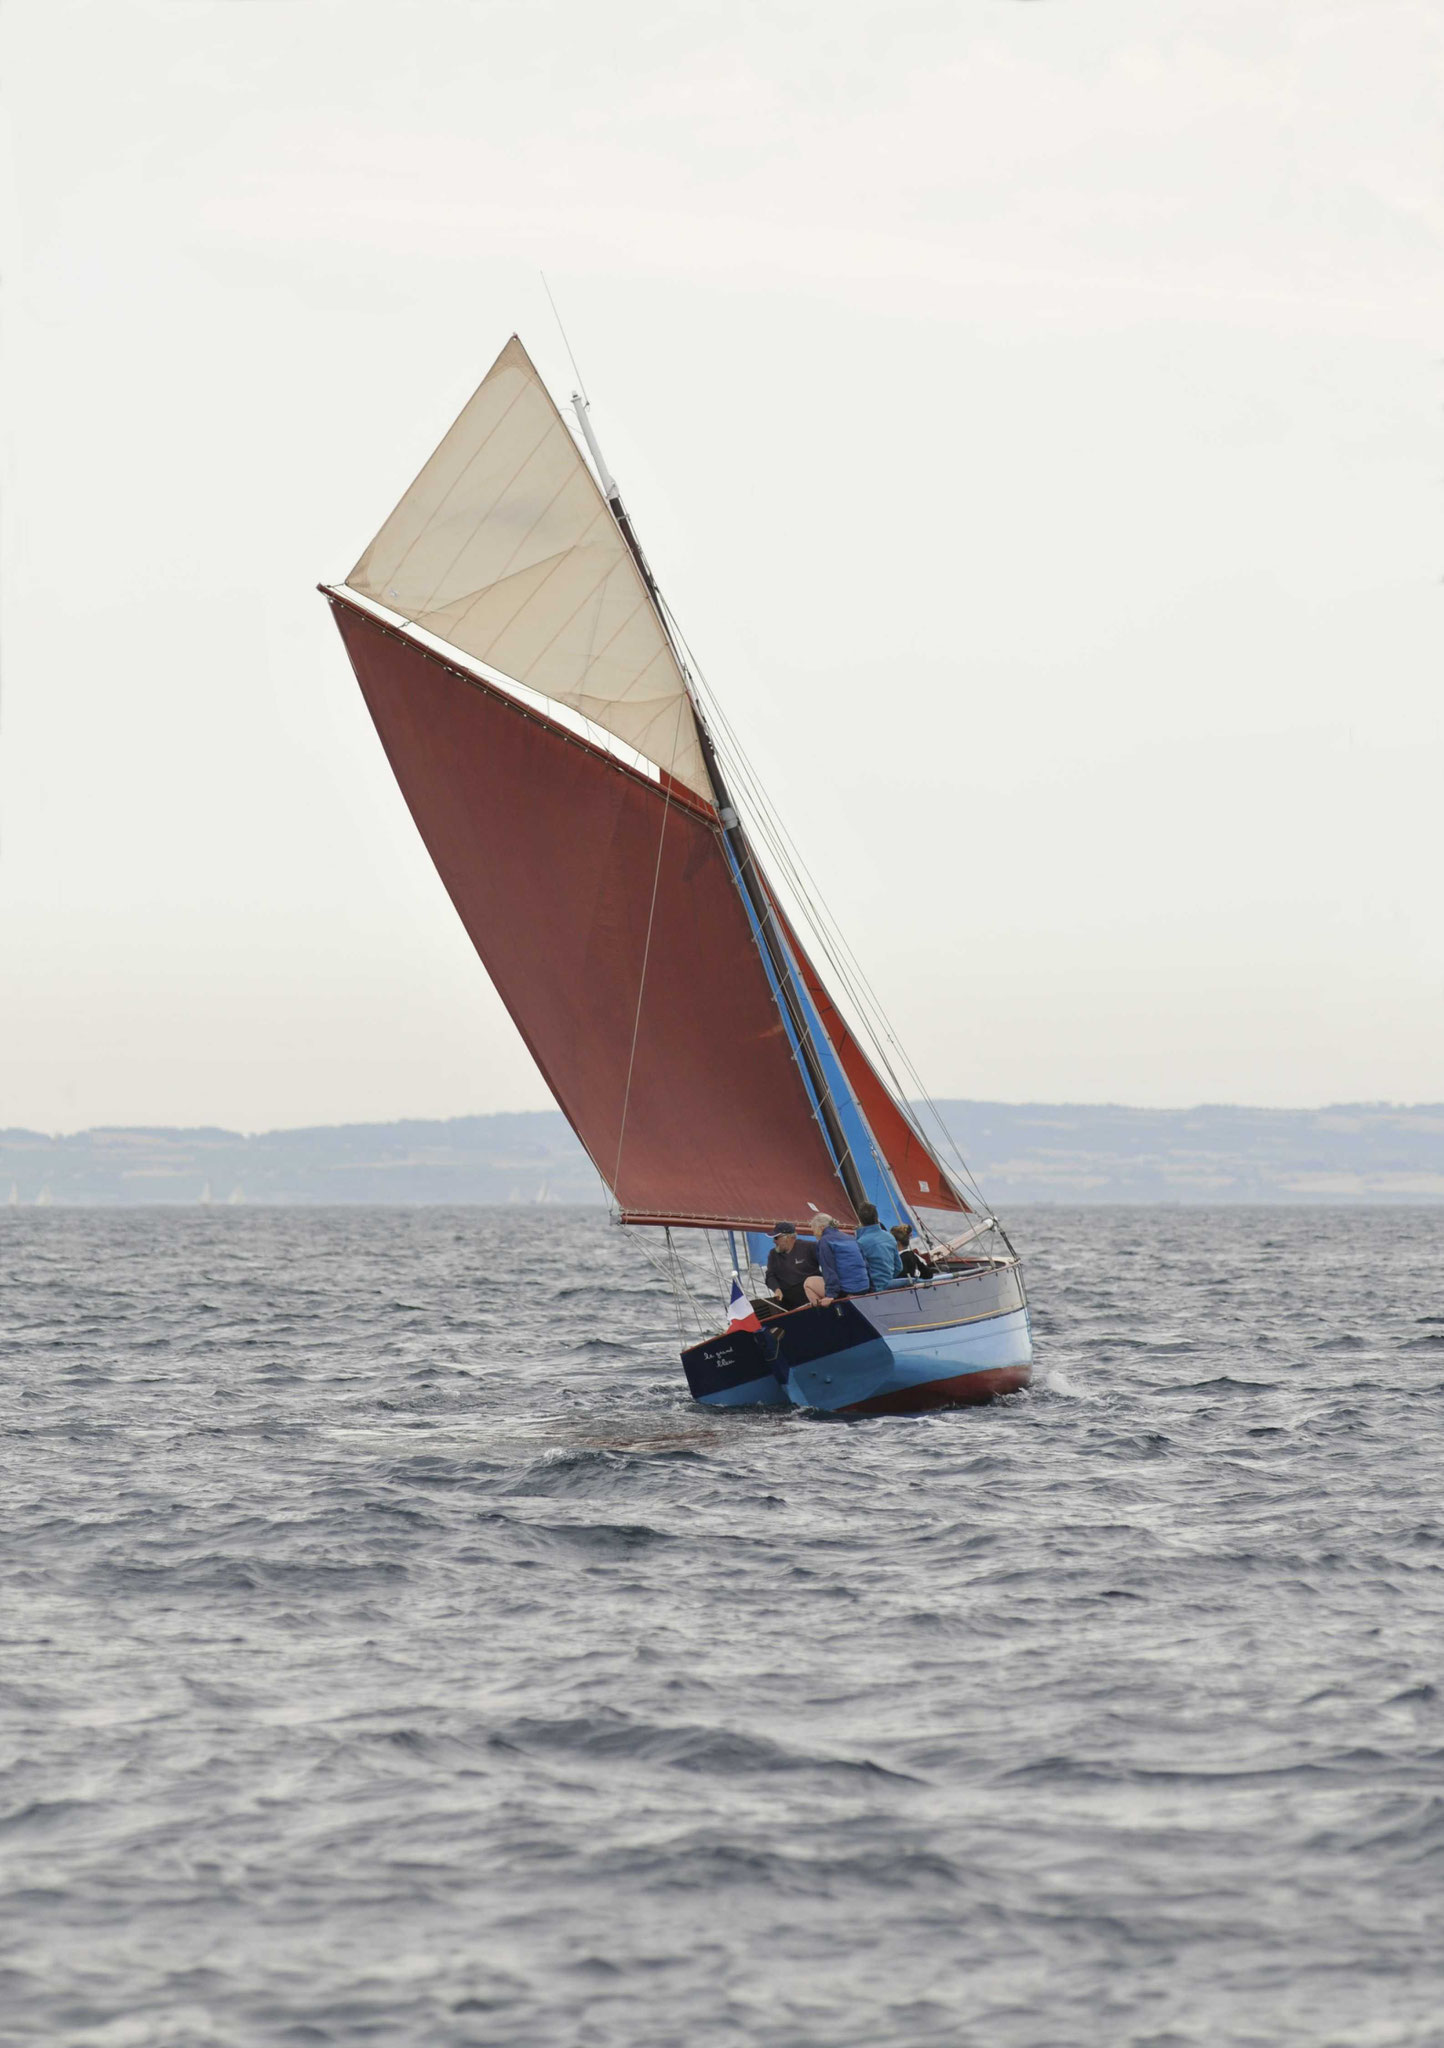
505	548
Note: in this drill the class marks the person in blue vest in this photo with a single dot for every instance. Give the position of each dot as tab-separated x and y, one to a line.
879	1248
844	1270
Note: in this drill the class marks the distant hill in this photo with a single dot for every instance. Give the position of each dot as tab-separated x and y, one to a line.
530	1156
1071	1152
1020	1152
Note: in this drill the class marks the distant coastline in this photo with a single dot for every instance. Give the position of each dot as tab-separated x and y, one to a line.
1375	1153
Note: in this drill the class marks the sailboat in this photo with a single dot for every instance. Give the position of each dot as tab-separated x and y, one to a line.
602	840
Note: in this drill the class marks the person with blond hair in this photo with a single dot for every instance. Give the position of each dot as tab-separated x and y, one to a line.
914	1263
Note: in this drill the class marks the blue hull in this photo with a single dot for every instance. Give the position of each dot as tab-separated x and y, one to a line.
940	1344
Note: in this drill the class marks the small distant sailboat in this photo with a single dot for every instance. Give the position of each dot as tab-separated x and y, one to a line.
14	1194
205	1196
43	1199
600	834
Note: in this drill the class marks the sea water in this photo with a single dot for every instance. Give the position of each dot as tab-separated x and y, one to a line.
392	1653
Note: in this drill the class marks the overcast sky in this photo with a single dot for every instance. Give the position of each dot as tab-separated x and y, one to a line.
1031	408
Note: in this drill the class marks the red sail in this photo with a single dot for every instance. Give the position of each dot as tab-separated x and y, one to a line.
606	915
921	1180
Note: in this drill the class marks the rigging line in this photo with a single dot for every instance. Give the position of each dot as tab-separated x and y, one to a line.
676	1282
808	913
666	1268
815	913
826	1107
876	1034
690	669
810	909
646	956
684	1281
825	1110
782	978
776	983
561	330
819	918
803	998
712	1249
764	926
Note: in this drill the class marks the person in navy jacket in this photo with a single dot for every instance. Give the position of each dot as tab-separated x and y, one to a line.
844	1270
791	1263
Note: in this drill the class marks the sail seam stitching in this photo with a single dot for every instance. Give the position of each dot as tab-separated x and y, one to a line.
456	481
482	518
475	456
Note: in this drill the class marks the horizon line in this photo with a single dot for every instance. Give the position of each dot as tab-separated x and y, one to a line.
971	1101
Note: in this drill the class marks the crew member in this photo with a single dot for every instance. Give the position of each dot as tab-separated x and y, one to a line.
914	1265
879	1248
844	1270
790	1264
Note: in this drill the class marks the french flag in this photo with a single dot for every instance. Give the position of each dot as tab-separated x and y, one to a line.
740	1313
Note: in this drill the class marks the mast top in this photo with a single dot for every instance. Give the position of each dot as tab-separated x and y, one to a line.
608	482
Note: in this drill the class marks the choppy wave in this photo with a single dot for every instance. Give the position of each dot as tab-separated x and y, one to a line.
393	1654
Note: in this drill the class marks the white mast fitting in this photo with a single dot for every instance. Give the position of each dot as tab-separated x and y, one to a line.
584	420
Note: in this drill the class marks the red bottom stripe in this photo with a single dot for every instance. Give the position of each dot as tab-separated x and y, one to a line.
963	1392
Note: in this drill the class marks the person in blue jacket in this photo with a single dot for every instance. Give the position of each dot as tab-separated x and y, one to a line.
844	1270
879	1248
